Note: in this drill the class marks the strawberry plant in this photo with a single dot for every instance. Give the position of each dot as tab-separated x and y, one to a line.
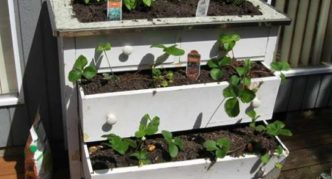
132	4
174	143
219	147
279	67
119	144
171	50
81	69
103	48
161	79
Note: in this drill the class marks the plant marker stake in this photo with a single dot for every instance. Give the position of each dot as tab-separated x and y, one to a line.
114	10
202	8
193	65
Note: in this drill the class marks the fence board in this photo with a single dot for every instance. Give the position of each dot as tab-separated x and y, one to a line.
325	92
281	5
299	31
311	92
4	128
288	32
321	30
309	33
327	51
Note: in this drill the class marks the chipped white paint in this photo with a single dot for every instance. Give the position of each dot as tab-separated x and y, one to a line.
247	166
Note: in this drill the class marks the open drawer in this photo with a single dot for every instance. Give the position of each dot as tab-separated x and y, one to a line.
179	108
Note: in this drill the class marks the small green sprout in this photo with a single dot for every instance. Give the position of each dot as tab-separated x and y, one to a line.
279	67
171	50
174	144
161	79
147	126
142	157
119	144
132	4
265	158
219	147
277	128
81	69
103	48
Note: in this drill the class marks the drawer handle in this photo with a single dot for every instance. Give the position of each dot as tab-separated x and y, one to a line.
111	119
256	102
127	50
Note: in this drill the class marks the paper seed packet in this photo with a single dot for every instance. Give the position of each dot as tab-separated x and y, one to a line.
114	10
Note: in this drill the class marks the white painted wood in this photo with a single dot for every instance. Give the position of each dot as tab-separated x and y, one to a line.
321	31
309	32
299	31
69	105
246	166
297	94
190	106
271	47
264	38
282	101
9	100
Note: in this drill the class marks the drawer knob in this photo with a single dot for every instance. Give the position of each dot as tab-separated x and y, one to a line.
127	50
111	119
256	102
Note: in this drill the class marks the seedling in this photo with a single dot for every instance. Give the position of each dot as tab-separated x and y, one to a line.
277	128
119	144
103	48
171	50
132	4
81	69
147	127
216	65
219	147
174	144
161	79
142	157
279	67
238	89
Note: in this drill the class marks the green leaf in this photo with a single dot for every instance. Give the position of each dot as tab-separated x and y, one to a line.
220	153
278	165
167	136
265	158
251	113
173	50
246	95
178	142
104	47
80	62
241	71
89	72
119	145
260	128
173	150
130	4
86	1
212	63
230	91
235	80
147	3
139	134
232	107
282	76
228	41
246	81
131	143
224	144
225	61
279	150
74	75
280	66
210	145
158	46
216	74
152	126
285	132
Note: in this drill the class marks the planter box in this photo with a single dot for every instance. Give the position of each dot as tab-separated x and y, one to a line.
179	108
248	166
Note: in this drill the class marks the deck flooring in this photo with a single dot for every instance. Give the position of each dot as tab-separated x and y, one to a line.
310	148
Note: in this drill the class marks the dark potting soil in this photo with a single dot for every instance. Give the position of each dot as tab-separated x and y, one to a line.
143	79
96	11
243	140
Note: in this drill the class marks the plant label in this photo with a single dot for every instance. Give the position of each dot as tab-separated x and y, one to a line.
193	65
114	10
202	8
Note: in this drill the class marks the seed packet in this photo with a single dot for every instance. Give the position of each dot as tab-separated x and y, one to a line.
114	10
202	8
38	158
193	65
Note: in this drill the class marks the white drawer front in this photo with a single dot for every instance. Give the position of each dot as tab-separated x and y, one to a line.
179	108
